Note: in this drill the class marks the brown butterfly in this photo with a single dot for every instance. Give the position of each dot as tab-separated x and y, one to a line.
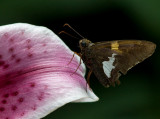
108	59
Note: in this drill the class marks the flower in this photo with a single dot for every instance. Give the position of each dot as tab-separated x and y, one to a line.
35	77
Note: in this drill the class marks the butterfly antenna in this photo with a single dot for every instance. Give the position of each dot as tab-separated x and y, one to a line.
67	34
73	29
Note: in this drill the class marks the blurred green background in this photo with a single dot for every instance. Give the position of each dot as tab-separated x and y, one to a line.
138	96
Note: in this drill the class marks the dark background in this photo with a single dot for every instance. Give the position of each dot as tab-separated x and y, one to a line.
138	95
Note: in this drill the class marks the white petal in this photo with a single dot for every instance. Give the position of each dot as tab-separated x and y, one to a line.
35	77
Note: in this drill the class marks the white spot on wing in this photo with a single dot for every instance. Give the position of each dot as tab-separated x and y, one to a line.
108	65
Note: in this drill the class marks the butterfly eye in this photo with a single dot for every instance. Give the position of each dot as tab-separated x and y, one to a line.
83	44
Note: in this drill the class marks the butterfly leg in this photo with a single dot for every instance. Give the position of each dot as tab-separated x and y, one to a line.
78	65
73	57
88	76
118	82
88	79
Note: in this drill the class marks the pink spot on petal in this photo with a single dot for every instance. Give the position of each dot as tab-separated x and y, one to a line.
20	100
2	63
11	49
6	95
32	85
5	66
34	107
6	34
13	56
2	109
11	40
30	55
28	41
22	114
18	60
14	107
41	96
45	52
44	44
15	93
4	101
0	56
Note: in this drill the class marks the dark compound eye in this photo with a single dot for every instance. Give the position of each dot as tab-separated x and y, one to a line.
83	44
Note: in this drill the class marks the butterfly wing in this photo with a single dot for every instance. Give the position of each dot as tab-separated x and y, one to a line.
114	57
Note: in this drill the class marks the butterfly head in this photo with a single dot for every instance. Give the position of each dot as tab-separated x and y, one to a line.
85	43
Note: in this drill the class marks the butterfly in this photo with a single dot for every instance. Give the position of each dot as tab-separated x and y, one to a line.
108	59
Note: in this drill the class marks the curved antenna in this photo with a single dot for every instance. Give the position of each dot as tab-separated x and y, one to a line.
72	29
68	34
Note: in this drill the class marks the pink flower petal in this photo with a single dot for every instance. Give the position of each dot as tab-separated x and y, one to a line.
35	77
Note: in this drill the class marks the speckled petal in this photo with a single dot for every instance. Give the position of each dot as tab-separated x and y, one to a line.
35	77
